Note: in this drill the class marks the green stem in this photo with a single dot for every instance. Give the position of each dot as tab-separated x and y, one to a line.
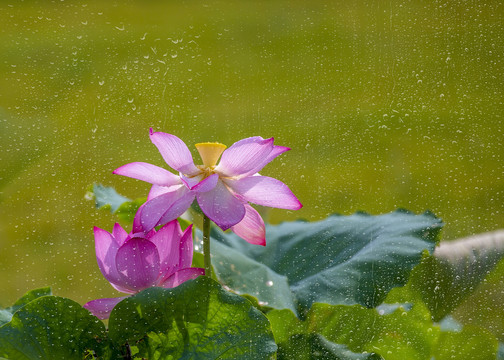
206	245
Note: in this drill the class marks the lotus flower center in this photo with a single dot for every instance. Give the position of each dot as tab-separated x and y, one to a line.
210	154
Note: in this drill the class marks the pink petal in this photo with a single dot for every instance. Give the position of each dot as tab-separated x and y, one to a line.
244	156
266	191
147	172
186	249
106	249
191	182
165	208
181	276
157	190
137	221
198	185
221	206
167	241
120	235
277	150
179	207
175	152
138	265
101	308
251	228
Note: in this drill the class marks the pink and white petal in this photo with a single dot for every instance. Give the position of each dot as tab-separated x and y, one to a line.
266	191
158	210
120	235
204	185
137	221
179	207
167	241
101	308
157	190
106	249
276	151
147	172
186	249
181	276
192	181
251	228
175	152
244	156
138	264
221	206
123	289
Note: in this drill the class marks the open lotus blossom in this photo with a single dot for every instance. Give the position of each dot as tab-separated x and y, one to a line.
223	190
136	261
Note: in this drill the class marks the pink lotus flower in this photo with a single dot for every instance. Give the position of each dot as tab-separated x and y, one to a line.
136	261
223	191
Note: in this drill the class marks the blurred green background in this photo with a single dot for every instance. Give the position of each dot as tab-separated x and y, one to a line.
384	104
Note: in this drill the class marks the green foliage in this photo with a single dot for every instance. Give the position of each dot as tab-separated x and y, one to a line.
196	319
471	342
6	314
348	260
321	286
107	198
51	327
456	269
400	334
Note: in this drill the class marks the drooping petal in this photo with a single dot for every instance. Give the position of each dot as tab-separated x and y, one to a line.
138	264
147	172
198	185
179	207
165	208
182	275
101	308
186	249
251	228
137	221
120	235
167	241
175	152
276	151
138	229
266	191
244	156
157	190
106	249
221	206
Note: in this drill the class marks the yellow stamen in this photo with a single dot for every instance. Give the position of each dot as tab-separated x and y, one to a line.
210	152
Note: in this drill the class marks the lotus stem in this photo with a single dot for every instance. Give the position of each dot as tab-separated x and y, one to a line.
206	245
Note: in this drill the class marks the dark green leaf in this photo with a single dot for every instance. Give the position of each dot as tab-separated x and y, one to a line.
400	335
316	347
471	343
6	314
197	319
127	210
245	275
349	260
51	327
456	269
30	296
